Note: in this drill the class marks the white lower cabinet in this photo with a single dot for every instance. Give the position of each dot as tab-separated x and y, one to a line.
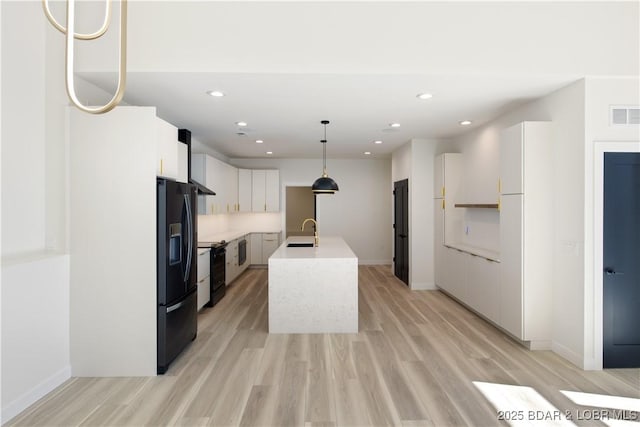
231	269
204	277
455	265
483	287
256	248
438	246
263	245
270	242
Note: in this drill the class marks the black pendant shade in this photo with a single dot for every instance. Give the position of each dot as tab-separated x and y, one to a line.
324	184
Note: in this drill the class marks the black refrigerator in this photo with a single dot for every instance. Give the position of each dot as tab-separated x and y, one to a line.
177	287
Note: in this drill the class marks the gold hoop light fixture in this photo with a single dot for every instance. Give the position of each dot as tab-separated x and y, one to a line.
71	35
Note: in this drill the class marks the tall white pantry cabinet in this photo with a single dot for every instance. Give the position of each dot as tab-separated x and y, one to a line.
526	234
446	185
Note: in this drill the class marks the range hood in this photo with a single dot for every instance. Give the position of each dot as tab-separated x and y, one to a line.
184	136
201	189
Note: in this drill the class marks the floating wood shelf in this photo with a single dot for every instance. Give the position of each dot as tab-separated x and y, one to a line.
477	205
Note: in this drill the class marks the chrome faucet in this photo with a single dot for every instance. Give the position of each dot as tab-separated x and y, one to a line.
315	231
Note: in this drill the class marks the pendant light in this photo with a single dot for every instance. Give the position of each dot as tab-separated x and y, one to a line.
71	35
324	184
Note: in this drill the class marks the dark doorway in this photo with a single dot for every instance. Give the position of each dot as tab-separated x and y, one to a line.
621	261
300	205
401	230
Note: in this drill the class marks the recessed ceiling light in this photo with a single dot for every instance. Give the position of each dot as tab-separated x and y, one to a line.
259	141
367	153
394	125
377	142
241	124
424	96
215	93
269	152
465	122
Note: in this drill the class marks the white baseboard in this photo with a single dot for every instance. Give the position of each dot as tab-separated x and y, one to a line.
423	286
539	345
374	262
30	397
568	354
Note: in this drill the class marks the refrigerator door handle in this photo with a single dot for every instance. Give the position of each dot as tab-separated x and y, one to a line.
174	307
187	270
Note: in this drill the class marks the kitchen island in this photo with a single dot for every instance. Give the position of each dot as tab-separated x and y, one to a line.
313	289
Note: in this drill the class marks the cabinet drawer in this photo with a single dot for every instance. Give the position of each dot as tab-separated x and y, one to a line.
269	237
204	291
204	265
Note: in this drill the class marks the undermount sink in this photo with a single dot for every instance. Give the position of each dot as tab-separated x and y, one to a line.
300	245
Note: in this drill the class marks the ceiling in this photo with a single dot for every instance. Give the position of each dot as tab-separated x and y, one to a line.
285	66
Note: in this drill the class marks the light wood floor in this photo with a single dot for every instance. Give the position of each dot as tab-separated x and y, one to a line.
413	363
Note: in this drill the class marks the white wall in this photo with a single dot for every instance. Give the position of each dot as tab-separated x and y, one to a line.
565	108
35	276
113	308
415	161
35	330
23	133
580	116
263	222
601	94
359	212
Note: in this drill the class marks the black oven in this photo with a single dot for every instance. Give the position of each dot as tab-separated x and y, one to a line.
218	264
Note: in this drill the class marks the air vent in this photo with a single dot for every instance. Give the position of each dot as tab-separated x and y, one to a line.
625	115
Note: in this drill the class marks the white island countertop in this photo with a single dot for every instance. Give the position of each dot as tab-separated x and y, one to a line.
313	289
328	247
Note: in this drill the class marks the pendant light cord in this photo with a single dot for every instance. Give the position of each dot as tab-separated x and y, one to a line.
324	151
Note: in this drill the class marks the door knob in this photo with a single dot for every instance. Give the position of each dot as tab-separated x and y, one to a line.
611	272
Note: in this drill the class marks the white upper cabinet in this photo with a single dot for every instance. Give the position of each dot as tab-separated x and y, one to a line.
447	176
230	188
166	149
511	160
237	190
523	164
265	187
244	190
258	197
203	170
447	182
272	190
183	163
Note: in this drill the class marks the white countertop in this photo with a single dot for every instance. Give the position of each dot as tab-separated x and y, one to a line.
328	247
230	235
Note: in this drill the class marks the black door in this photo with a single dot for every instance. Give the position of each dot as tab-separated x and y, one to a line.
621	261
401	230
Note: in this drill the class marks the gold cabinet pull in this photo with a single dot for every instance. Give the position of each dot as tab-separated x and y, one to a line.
442	191
161	166
442	203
